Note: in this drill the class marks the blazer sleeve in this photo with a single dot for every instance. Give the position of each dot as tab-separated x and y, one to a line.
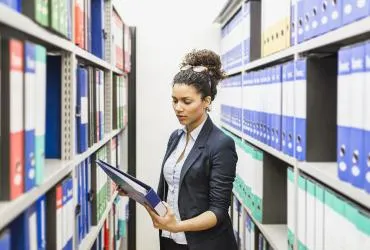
222	175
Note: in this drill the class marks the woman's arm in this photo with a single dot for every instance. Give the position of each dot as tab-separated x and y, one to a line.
169	223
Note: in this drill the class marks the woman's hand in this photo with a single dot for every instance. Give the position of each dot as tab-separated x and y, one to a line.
168	222
120	191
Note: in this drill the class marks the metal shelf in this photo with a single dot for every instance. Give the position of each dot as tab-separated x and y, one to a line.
20	22
278	154
275	234
327	173
232	130
89	240
55	170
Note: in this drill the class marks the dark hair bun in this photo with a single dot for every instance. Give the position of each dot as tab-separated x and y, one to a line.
206	58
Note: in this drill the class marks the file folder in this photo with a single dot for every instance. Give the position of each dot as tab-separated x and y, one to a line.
135	189
41	223
319	216
354	10
37	10
300	96
302	213
29	114
40	116
344	114
12	123
97	30
82	110
310	213
367	117
5	240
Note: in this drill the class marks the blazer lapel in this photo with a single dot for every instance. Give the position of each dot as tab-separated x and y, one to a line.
197	148
172	146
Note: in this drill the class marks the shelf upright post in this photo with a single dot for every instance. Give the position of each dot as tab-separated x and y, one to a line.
69	64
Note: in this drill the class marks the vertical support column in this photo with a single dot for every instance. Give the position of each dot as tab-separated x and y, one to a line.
68	104
108	31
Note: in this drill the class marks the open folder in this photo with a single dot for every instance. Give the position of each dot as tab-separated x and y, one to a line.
134	188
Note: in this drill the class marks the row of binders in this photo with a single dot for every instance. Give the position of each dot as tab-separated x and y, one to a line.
115	227
64	216
353	121
23	107
261	28
83	22
248	182
247	234
325	219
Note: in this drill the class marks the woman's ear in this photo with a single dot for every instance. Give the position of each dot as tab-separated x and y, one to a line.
207	101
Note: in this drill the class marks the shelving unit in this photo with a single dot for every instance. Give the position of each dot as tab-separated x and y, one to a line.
275	234
55	170
325	174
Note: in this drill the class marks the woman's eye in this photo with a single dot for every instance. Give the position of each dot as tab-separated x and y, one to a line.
187	102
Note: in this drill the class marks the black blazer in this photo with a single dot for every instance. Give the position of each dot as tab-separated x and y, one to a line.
206	183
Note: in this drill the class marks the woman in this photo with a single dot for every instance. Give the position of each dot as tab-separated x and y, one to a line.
198	169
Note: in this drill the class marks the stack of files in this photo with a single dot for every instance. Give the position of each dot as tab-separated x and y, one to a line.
127	48
333	215
290	208
60	212
117	30
352	115
27	231
231	111
99	186
23	93
83	186
37	10
95	110
262	105
275	26
98	33
251	31
119	101
232	41
249	229
60	17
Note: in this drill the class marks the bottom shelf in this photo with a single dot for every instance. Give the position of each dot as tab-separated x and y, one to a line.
275	234
89	240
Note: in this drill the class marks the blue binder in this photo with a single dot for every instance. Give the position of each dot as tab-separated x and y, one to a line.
98	36
82	110
41	223
53	110
30	109
5	240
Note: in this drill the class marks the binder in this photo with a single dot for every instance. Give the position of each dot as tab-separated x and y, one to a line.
14	4
68	214
87	176
357	110
127	48
37	10
97	28
300	95
334	14
344	114
82	110
79	24
310	213
367	116
319	216
54	219
354	10
40	115
300	16
54	15
12	126
53	104
290	208
135	189
302	213
29	114
5	240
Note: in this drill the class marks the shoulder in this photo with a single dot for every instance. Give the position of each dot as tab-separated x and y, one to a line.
218	139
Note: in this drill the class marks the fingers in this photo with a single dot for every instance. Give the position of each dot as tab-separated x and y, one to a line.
120	191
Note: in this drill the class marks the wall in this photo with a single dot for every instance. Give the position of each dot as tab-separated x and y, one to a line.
166	30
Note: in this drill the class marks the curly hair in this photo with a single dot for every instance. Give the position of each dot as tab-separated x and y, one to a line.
205	82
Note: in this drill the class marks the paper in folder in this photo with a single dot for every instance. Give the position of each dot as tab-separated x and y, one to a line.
134	188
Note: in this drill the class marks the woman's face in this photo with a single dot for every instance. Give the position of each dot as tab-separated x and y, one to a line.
188	105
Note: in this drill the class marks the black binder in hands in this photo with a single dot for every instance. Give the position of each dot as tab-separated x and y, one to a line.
135	189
